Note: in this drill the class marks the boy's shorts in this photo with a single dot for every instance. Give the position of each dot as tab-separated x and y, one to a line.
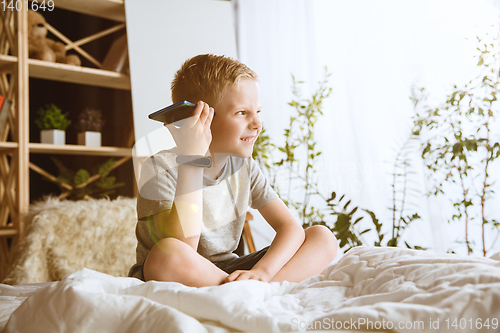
245	262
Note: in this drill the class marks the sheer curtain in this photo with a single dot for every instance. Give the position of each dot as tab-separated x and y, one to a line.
376	51
276	38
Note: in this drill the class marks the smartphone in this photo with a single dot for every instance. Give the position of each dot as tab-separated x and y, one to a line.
174	112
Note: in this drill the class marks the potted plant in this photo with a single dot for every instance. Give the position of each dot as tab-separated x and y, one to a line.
82	185
90	124
52	124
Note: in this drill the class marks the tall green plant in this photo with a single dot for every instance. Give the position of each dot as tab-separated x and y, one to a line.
459	144
338	213
403	189
300	134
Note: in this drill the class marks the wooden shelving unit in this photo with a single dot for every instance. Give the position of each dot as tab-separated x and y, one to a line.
39	148
68	73
73	74
108	9
16	69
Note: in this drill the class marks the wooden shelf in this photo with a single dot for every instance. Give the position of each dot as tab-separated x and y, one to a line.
39	148
108	9
68	73
75	74
7	63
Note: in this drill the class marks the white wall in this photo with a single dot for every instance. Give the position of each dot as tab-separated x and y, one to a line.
162	34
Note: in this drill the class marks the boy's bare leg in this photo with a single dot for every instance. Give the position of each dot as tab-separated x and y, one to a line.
175	261
318	251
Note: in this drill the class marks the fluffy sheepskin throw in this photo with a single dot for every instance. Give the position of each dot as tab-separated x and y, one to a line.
63	236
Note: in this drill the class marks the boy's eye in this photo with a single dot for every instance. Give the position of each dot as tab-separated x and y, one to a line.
243	112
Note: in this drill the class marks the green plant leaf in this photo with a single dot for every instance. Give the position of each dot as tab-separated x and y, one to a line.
51	117
81	177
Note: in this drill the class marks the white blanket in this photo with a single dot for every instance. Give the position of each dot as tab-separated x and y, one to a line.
389	289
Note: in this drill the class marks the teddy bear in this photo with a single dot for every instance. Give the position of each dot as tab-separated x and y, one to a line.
40	47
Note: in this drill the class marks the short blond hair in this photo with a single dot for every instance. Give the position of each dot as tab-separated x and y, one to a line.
206	77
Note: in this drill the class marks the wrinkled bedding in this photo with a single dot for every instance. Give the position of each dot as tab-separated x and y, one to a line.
387	289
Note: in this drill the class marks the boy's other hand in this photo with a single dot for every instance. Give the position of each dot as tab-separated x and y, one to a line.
192	135
253	274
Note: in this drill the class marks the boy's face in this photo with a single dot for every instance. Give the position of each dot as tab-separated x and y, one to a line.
236	123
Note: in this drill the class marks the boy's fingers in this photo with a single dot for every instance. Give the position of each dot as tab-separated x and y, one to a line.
240	276
205	113
244	276
209	118
233	276
198	108
196	113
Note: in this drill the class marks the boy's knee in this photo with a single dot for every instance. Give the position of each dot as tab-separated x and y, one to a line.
318	231
323	236
164	259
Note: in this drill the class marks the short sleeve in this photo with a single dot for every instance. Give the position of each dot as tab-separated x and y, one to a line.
261	191
157	186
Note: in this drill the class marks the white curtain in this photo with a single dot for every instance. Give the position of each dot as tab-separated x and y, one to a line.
375	50
276	38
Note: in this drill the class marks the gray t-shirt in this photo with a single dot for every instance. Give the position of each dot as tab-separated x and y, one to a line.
225	203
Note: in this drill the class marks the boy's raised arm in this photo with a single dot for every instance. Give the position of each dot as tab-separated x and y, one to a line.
184	220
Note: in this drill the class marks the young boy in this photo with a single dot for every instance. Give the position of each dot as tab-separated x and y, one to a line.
191	214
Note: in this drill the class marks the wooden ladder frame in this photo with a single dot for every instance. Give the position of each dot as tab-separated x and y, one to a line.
76	45
14	157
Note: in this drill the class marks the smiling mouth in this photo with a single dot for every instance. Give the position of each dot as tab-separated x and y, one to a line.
250	139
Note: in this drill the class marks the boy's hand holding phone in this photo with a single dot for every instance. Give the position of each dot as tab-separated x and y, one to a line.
192	135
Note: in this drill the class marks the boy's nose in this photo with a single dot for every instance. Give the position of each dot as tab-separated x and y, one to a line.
255	123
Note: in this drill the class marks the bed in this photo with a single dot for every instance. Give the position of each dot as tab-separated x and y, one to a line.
383	289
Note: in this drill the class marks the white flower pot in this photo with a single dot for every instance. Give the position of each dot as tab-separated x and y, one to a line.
89	139
53	136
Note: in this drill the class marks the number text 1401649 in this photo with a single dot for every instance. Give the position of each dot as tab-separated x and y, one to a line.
18	5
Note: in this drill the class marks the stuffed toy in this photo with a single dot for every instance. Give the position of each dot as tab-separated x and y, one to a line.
43	48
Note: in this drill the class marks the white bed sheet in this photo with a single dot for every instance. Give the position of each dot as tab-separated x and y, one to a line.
394	289
12	296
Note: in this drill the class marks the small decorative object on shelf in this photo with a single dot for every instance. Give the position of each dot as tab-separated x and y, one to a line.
116	59
43	48
90	124
52	123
